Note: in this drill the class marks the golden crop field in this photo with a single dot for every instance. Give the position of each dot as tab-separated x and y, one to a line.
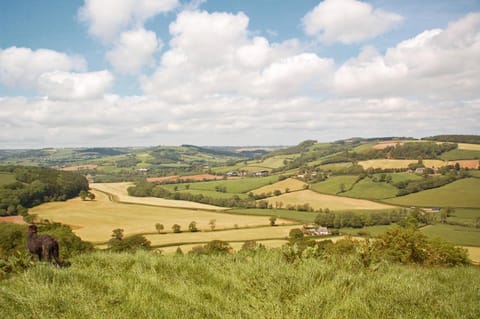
94	220
119	190
473	253
469	147
397	163
290	183
257	233
317	201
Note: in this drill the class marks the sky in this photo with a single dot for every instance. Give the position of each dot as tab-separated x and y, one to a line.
83	73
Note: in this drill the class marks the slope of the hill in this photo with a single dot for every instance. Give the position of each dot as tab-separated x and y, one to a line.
263	285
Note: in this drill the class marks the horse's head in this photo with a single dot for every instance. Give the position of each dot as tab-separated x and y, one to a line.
32	228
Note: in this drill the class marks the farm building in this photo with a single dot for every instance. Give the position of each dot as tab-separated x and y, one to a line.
314	230
262	173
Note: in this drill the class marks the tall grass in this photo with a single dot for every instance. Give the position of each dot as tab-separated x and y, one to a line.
145	285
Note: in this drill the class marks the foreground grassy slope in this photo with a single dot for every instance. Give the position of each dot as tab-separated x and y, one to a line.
261	286
462	193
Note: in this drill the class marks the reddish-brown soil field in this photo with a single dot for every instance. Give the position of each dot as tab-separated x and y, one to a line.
13	219
385	144
470	164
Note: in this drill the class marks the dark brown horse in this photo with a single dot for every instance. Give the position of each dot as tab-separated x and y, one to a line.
44	246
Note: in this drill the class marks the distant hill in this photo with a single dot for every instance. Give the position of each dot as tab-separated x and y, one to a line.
471	139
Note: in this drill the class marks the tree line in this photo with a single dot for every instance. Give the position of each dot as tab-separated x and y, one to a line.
37	185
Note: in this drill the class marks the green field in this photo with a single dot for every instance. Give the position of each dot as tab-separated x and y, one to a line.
370	230
290	183
458	235
333	184
232	186
465	216
369	189
262	285
401	177
458	154
463	193
6	178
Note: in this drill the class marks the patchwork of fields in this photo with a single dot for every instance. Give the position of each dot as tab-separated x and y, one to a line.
94	220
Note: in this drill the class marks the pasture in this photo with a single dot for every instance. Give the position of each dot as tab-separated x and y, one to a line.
458	235
94	220
231	235
458	154
462	193
6	178
333	184
119	191
232	186
317	201
290	183
368	189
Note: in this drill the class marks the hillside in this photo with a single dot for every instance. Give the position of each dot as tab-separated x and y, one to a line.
261	285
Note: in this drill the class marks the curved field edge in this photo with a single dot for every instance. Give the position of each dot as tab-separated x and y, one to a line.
230	286
119	191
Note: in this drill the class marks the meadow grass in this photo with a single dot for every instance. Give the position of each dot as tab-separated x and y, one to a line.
462	193
263	285
6	178
317	201
459	154
290	183
458	235
401	177
333	184
369	189
94	220
465	216
370	230
232	186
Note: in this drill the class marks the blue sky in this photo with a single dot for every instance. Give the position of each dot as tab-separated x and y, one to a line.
265	72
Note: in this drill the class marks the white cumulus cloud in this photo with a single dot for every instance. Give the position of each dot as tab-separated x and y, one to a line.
21	67
434	64
348	21
107	18
213	54
134	50
60	85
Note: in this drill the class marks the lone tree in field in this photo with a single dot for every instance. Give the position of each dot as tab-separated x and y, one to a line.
117	234
176	228
273	220
212	224
159	227
193	227
91	196
83	194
